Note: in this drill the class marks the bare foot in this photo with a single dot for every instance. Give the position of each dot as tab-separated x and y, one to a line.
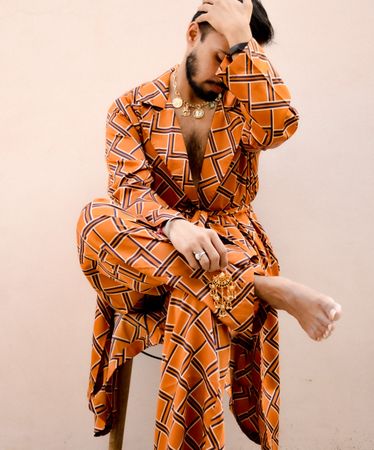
317	313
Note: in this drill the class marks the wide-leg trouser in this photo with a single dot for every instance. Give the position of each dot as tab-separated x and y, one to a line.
130	259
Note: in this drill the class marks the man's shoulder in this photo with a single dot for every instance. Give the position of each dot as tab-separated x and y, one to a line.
148	93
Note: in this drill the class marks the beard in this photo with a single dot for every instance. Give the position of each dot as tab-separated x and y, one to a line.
191	72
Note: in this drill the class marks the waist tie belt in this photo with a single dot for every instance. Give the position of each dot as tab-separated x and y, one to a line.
203	216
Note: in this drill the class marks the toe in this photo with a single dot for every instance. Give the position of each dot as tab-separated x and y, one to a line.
322	331
335	312
317	333
326	334
313	333
338	313
329	330
323	320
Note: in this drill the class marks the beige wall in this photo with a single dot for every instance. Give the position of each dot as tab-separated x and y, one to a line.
62	64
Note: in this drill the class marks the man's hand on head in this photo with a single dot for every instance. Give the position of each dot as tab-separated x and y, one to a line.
231	18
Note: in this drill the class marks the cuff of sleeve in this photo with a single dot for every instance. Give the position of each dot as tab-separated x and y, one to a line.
157	217
234	65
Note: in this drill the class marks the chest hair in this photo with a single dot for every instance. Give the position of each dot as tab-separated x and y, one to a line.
195	151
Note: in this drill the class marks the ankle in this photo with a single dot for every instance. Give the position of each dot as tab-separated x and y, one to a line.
275	290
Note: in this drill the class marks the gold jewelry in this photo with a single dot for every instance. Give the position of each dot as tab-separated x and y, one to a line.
223	292
198	111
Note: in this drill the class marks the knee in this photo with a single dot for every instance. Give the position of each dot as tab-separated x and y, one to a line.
93	224
99	207
91	214
101	220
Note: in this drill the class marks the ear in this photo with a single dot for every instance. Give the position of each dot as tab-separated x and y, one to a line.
193	34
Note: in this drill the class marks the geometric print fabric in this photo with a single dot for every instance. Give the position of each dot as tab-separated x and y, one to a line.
127	262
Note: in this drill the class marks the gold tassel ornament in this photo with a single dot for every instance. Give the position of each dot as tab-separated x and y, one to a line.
223	291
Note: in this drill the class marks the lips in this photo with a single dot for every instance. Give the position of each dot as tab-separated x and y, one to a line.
216	85
216	88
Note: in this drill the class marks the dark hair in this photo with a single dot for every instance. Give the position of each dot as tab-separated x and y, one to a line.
260	25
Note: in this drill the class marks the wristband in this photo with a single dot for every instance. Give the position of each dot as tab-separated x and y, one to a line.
237	48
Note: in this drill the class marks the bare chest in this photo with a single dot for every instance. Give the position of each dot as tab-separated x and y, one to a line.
195	136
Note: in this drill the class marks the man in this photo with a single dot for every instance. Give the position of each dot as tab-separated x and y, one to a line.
177	255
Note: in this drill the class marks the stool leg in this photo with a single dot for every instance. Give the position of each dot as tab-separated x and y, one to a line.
117	431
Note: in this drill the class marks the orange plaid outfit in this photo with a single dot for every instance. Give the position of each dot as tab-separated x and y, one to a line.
127	261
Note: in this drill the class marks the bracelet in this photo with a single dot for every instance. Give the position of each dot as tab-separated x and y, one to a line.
163	229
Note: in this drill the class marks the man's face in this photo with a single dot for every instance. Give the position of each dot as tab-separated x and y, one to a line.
202	64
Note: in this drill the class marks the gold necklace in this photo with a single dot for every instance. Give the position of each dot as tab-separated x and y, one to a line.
198	111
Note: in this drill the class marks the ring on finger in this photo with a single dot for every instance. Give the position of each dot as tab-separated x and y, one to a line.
199	255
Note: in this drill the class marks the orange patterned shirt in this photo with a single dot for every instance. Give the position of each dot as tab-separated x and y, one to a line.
129	263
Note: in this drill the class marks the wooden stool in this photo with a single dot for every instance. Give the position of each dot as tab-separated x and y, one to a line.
117	431
148	303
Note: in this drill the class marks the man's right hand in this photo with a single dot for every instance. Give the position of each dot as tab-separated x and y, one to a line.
189	239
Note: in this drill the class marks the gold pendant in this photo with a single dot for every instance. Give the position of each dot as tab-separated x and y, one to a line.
212	105
198	113
186	112
177	102
223	290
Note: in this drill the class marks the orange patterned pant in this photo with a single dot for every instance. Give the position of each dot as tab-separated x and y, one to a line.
202	354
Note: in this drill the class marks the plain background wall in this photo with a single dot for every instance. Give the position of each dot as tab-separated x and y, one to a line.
62	64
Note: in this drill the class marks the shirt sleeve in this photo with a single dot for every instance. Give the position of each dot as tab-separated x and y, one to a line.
130	174
264	97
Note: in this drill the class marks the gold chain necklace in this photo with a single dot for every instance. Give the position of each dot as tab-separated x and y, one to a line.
198	111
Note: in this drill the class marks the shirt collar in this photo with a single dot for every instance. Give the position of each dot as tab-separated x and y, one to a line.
157	92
